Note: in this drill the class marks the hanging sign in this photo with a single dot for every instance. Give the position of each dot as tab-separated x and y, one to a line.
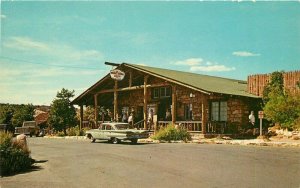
117	74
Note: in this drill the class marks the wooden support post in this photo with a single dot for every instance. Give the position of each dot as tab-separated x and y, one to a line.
96	109
174	101
116	101
130	79
204	116
81	117
145	102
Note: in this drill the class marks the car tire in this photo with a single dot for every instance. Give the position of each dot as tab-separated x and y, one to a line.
92	139
134	141
115	140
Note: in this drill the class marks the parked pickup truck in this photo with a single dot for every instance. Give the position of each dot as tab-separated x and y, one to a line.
116	132
29	128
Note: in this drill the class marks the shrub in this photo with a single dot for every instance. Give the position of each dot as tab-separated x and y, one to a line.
74	131
14	156
61	133
5	138
171	133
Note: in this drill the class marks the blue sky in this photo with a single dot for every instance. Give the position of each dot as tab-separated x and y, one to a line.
46	46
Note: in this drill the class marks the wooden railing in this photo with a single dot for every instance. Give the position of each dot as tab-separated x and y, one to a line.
218	127
139	124
189	125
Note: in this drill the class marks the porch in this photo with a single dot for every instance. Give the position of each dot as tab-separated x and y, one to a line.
190	126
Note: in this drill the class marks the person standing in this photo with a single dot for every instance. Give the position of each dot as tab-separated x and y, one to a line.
130	119
252	121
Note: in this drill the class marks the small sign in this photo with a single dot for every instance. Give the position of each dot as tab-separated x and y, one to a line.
117	74
260	114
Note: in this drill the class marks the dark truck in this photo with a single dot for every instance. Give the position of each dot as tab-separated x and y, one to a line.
29	128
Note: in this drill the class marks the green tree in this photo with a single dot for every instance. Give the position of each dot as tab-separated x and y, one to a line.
6	113
22	113
280	106
275	86
62	113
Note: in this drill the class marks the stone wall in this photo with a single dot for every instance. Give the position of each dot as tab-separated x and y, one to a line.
183	98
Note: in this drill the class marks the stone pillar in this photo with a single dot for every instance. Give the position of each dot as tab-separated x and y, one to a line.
81	117
96	109
174	101
145	102
116	101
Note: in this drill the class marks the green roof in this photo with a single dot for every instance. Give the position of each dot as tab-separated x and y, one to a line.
210	84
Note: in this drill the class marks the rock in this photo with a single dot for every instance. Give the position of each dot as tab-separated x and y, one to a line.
295	137
21	142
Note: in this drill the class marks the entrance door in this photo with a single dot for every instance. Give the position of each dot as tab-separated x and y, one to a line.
164	105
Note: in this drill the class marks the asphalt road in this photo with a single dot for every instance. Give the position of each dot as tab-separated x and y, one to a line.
75	163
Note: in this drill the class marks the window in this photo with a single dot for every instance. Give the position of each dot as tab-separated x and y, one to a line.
156	93
223	111
188	112
215	111
161	92
219	111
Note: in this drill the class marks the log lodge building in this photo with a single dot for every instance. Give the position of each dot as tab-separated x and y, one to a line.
200	103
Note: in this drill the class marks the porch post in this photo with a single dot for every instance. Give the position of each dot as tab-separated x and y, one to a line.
174	104
116	101
81	117
96	108
145	102
204	116
130	79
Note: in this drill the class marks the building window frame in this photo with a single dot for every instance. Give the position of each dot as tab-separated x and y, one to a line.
161	92
219	111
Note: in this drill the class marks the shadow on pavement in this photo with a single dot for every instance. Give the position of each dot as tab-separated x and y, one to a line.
121	143
31	169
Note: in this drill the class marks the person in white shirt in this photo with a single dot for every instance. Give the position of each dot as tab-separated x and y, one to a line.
252	118
252	121
130	119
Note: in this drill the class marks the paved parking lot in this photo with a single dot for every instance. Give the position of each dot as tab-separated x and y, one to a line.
78	163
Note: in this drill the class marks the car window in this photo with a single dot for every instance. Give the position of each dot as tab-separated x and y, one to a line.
122	126
108	127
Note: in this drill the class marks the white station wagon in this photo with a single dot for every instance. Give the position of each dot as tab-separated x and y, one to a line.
116	132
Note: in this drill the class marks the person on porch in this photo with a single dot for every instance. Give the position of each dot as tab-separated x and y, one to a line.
168	115
130	119
150	119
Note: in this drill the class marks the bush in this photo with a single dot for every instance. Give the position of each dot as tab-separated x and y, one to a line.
61	133
171	133
14	157
74	131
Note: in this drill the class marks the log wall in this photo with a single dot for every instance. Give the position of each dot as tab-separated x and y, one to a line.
256	83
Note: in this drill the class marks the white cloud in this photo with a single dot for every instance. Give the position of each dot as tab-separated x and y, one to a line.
212	68
25	44
244	54
199	64
2	16
189	62
57	51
